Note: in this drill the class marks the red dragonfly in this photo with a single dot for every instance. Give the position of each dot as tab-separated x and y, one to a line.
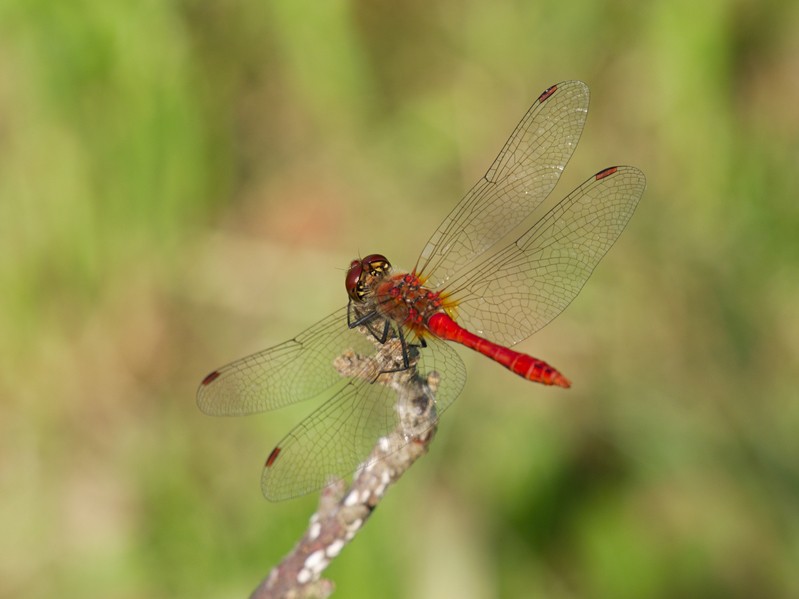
466	287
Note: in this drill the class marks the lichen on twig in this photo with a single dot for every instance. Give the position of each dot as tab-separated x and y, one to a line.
343	511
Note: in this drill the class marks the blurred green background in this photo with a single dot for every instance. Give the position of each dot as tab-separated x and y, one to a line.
183	182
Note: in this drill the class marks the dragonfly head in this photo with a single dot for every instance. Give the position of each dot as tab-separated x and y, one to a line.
361	273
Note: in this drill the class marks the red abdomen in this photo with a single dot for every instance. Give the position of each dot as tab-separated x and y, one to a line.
525	366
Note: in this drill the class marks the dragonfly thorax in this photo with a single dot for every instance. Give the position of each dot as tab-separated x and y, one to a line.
404	299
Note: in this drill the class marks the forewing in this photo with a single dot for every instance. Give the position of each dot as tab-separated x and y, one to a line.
336	438
516	292
521	177
293	371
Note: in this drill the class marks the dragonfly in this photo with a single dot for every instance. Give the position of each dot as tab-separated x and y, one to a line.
467	287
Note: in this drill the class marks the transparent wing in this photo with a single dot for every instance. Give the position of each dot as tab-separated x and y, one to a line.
293	371
517	291
521	177
335	439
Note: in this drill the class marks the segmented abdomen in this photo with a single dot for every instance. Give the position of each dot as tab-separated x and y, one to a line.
525	366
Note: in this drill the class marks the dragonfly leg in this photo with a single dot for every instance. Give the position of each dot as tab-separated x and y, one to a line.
384	335
354	319
407	348
405	360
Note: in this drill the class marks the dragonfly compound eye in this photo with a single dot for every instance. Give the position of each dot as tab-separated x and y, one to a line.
376	264
353	282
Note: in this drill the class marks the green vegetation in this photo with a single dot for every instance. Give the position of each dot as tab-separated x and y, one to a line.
183	182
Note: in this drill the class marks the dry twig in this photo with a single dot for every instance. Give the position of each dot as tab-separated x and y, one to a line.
342	512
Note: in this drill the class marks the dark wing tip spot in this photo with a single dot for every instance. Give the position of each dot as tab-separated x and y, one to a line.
272	457
547	93
606	172
211	377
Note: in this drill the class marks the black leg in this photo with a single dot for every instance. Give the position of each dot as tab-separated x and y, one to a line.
361	319
367	320
406	349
